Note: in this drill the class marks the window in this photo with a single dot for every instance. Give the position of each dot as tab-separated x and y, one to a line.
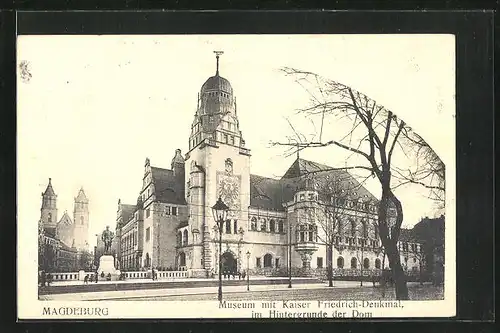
253	224
311	236
232	140
340	262
225	138
281	226
167	210
235	225
319	262
375	228
81	220
258	263
365	229
302	236
272	226
185	237
354	262
147	213
377	263
277	262
262	225
268	260
366	263
353	227
148	234
50	217
228	226
174	211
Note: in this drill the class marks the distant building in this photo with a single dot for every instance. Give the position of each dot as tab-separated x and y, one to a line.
171	223
66	236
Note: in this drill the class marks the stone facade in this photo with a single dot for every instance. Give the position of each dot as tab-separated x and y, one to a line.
270	222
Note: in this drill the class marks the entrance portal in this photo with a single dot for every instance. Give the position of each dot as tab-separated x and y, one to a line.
229	264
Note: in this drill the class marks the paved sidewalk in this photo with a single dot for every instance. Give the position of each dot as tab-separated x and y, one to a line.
116	295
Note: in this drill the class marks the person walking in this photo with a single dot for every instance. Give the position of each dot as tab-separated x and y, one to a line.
86	279
96	277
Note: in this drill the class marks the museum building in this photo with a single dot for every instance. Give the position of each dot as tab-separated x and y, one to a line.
271	223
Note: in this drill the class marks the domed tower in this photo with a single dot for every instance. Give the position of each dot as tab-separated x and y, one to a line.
49	207
219	166
81	220
216	114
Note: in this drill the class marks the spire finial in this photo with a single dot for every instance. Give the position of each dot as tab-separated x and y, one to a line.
217	54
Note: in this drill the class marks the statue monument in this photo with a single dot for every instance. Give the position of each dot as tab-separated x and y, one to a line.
107	260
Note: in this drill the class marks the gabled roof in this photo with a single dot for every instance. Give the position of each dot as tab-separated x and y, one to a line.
65	219
269	193
50	232
168	188
127	211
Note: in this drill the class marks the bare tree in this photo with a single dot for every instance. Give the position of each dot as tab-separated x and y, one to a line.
375	135
430	172
332	217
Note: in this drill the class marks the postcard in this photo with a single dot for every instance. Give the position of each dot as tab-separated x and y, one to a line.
236	176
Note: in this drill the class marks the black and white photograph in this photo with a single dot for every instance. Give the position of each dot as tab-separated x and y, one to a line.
236	176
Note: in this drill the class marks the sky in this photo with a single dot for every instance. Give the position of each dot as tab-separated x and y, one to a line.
97	106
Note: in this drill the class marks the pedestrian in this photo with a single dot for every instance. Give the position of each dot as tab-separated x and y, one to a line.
49	279
152	274
96	277
42	277
86	279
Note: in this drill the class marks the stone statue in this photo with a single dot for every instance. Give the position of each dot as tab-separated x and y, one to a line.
107	238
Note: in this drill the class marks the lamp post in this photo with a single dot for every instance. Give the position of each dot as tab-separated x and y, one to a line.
219	211
289	255
248	270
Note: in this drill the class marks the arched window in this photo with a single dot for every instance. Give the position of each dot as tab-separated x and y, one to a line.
185	238
354	262
272	226
353	227
179	238
253	223
366	263
377	263
49	218
340	262
262	224
268	260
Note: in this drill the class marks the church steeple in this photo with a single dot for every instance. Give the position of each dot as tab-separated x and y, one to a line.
49	206
81	220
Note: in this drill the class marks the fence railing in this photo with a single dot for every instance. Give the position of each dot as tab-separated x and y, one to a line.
159	274
80	276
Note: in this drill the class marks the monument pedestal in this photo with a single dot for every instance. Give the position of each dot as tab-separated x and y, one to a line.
107	266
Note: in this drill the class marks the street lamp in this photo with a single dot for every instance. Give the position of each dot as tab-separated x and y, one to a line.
219	211
289	255
248	270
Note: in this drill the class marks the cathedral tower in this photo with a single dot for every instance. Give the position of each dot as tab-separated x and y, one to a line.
81	221
49	207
